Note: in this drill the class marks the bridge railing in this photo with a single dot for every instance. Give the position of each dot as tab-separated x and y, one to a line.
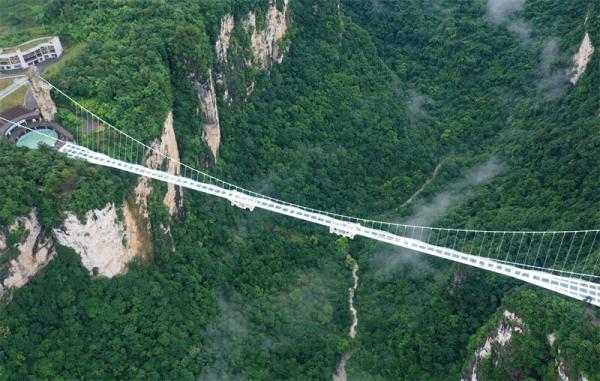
574	254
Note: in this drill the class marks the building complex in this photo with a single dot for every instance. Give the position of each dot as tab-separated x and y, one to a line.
30	53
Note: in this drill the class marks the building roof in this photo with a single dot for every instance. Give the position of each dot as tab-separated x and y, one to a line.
16	113
27	45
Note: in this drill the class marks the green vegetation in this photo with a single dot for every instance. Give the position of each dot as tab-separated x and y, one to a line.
530	354
16	98
70	54
366	102
52	183
4	83
20	20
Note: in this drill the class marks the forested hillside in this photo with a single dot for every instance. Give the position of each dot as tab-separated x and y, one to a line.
356	106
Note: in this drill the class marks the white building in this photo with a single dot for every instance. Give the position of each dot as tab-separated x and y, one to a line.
30	53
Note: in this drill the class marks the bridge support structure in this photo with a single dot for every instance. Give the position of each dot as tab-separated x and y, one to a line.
566	285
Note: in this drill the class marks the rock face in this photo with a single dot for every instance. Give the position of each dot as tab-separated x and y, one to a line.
103	241
581	58
561	367
266	48
222	43
211	134
164	147
265	42
509	324
41	93
35	252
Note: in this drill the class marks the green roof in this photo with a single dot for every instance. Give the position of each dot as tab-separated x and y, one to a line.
28	45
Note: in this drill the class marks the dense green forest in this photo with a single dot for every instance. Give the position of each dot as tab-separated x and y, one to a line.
370	97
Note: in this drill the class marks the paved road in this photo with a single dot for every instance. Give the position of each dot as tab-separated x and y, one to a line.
30	102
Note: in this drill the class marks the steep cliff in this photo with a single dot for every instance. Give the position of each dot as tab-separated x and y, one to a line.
105	243
581	58
222	43
211	134
164	147
563	369
508	325
33	252
265	42
265	47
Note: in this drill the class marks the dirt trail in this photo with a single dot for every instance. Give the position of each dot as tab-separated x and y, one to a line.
424	186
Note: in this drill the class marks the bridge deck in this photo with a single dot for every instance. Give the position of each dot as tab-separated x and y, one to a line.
569	286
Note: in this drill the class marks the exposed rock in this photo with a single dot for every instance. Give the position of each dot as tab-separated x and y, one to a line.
2	242
249	22
561	367
562	370
41	93
211	133
221	81
164	147
222	43
138	230
266	49
581	58
509	323
250	89
102	240
265	42
35	252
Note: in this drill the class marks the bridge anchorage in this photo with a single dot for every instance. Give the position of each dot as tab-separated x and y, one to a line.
565	262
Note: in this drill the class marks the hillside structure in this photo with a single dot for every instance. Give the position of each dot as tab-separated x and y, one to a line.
30	53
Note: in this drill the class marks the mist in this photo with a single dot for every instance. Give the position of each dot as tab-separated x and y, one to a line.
553	82
417	103
505	12
389	259
457	193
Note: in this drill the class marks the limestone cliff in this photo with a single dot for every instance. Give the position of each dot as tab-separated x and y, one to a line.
266	47
164	147
41	93
105	243
222	43
34	250
500	338
581	59
265	42
211	134
562	368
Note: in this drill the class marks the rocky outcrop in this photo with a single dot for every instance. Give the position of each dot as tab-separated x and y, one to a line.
581	59
508	325
561	367
222	43
156	158
105	243
211	133
266	47
35	251
41	93
265	42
